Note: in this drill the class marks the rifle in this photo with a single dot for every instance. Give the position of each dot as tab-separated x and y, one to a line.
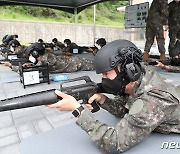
49	45
80	92
15	62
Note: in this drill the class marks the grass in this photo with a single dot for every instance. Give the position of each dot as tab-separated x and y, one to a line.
105	18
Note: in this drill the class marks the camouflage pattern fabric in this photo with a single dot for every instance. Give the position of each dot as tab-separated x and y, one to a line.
20	51
175	69
153	105
60	45
59	64
174	23
157	17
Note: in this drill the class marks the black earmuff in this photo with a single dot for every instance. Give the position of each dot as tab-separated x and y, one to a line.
35	53
133	71
129	57
35	49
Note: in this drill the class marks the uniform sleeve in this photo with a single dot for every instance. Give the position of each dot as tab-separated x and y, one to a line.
115	106
175	69
136	125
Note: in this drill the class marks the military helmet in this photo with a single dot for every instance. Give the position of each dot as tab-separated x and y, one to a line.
67	41
101	42
54	40
14	43
36	49
114	53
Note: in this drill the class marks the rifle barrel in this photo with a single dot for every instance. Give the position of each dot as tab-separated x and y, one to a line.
35	99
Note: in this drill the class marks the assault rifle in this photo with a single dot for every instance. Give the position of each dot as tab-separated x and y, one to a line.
15	62
80	92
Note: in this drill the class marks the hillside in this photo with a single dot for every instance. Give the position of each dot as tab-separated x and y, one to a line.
106	14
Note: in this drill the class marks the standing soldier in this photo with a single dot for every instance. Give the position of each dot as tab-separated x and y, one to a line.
174	23
158	14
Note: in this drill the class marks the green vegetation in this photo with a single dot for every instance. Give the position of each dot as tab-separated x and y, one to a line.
106	14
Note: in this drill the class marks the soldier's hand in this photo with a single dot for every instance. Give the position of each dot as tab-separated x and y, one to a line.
6	64
100	98
27	64
67	103
161	65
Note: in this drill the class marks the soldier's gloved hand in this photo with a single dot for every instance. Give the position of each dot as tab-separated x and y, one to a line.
67	103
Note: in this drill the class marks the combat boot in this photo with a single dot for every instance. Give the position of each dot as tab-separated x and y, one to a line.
146	56
163	56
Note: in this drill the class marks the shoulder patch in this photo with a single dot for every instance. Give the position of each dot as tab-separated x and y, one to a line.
136	107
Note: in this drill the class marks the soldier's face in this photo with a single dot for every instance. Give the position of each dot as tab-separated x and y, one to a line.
109	74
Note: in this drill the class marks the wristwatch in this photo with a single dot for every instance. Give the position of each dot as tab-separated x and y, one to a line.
77	112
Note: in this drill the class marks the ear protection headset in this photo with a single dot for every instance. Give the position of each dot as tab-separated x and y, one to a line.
129	58
36	50
35	53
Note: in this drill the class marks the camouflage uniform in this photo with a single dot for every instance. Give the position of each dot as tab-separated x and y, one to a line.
60	45
174	23
175	69
20	51
58	64
153	105
158	14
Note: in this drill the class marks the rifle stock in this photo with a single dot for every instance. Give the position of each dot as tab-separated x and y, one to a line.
80	92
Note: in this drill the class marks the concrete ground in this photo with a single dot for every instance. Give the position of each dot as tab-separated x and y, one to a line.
16	125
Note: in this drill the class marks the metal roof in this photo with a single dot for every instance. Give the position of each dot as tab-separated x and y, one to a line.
71	6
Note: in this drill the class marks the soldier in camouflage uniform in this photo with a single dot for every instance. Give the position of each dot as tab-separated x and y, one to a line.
14	47
58	45
33	53
17	48
7	38
57	64
64	64
69	46
174	23
157	17
147	103
174	62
